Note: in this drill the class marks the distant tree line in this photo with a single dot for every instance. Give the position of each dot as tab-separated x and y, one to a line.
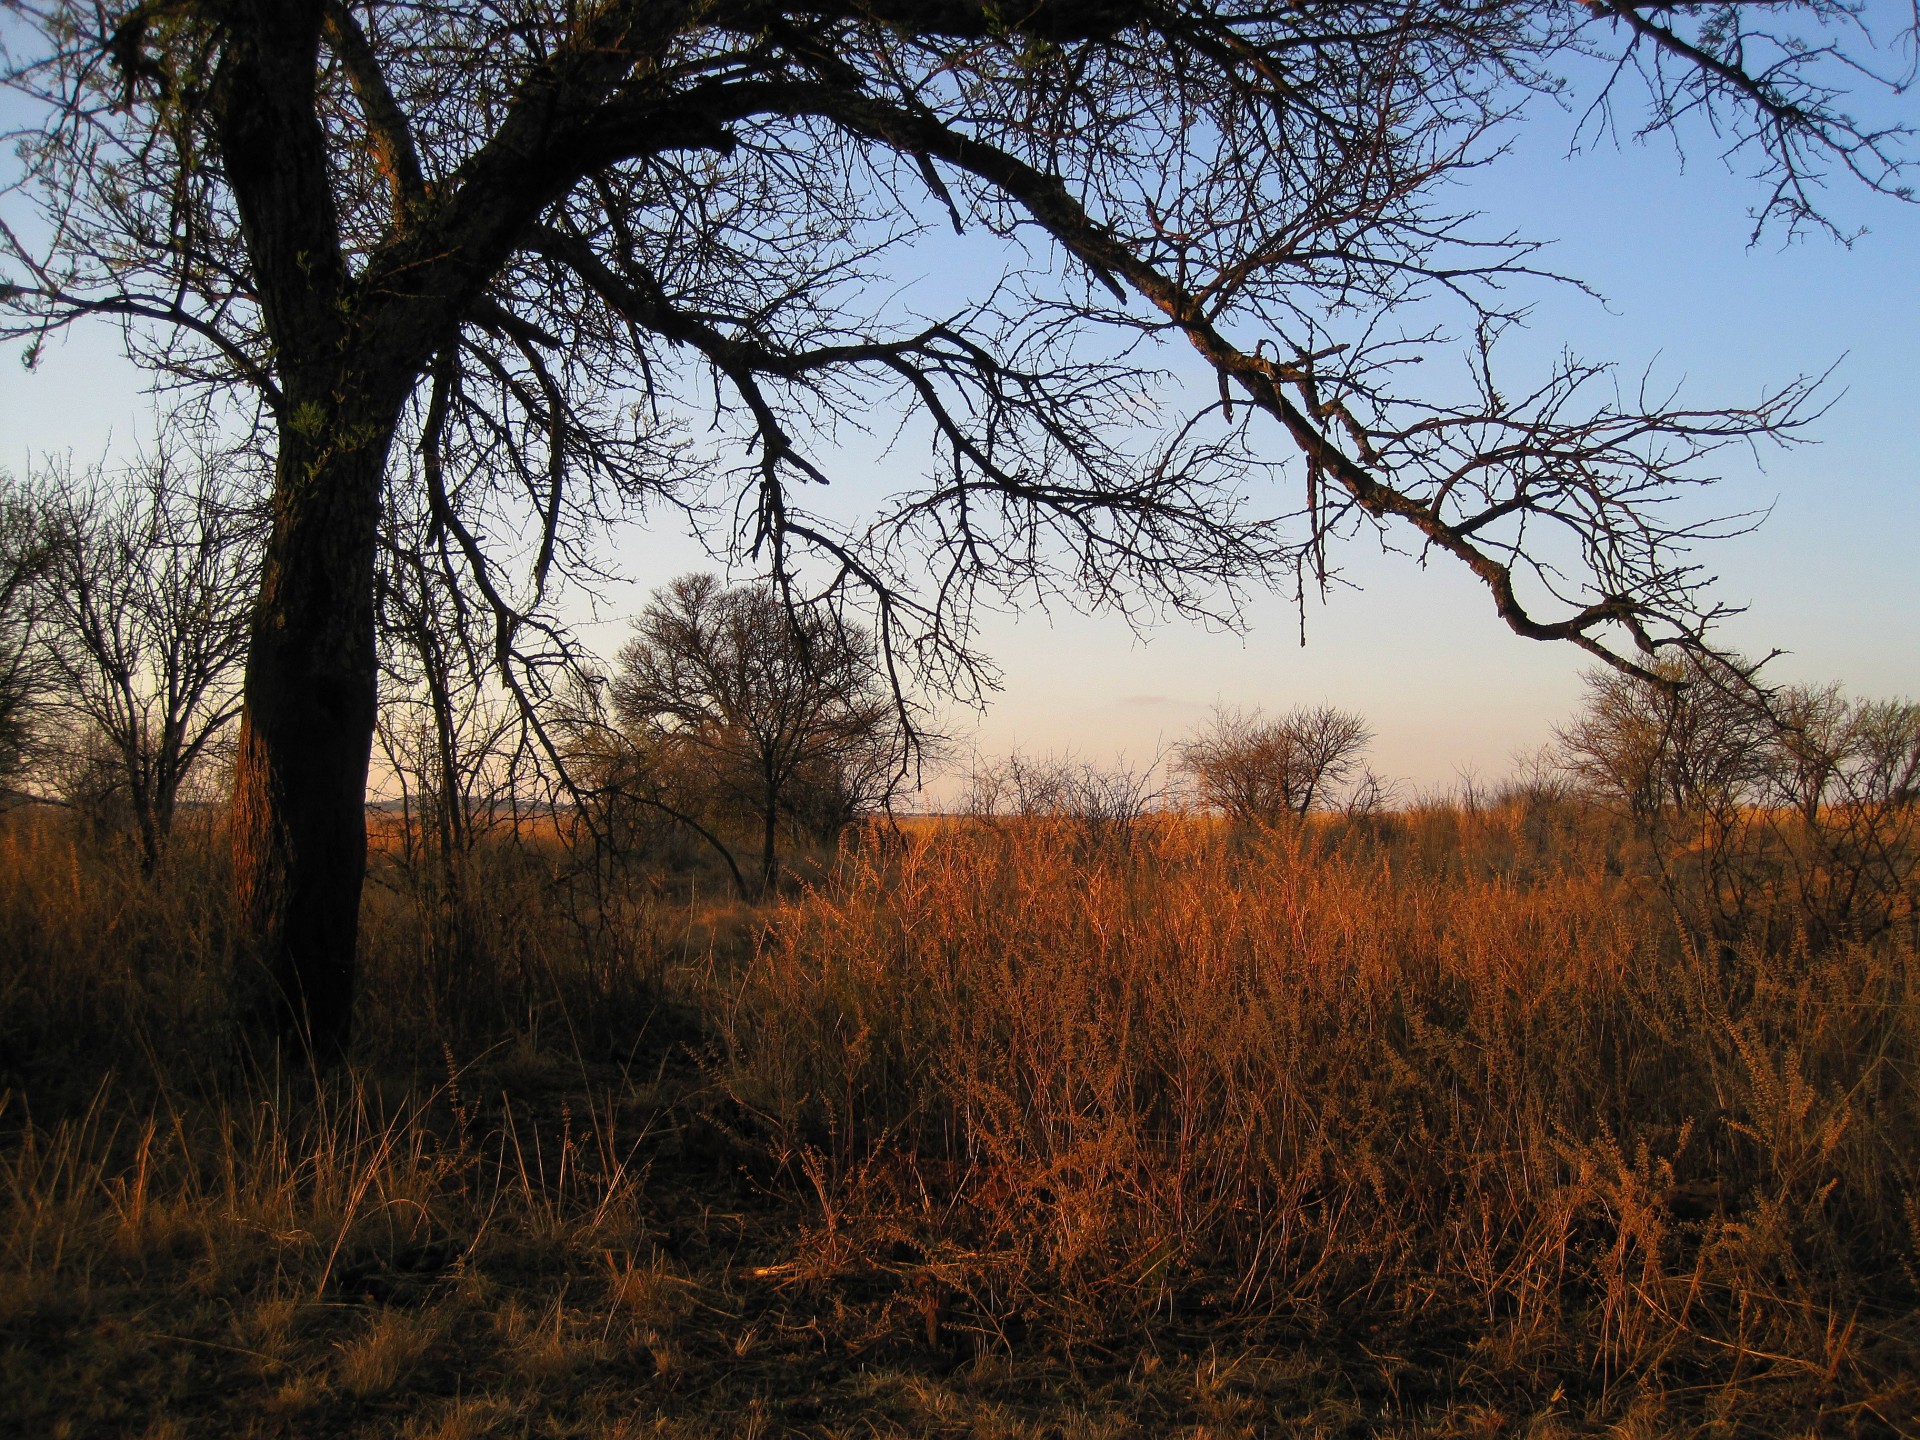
738	724
125	600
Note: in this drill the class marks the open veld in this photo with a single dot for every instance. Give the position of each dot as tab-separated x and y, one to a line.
1445	1122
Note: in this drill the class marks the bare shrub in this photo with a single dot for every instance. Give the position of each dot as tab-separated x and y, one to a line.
739	706
146	606
1097	806
1261	771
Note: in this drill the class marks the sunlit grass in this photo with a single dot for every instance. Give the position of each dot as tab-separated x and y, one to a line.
1443	1126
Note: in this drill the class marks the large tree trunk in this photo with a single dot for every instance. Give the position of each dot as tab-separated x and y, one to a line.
306	735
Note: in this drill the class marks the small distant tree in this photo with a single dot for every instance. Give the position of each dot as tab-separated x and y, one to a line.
23	558
1685	743
145	602
1795	803
778	715
1265	771
1681	755
1842	797
1884	750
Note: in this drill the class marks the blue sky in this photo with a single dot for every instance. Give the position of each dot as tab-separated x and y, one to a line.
1830	577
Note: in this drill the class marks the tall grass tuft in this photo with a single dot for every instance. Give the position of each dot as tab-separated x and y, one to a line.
1445	1113
1343	1091
104	967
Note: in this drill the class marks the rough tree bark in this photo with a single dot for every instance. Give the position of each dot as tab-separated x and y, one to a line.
299	826
299	830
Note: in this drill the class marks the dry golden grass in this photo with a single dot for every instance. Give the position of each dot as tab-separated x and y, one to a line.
1019	1129
1297	1094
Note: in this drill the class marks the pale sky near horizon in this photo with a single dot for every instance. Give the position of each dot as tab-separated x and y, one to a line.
1829	577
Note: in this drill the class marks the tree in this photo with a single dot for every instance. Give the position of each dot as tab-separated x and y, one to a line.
1681	754
480	234
23	560
1750	798
146	601
1686	743
777	714
1261	771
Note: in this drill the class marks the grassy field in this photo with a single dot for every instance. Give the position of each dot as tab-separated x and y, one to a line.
1444	1124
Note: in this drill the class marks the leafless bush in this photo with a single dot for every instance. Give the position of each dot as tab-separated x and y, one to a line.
1099	806
1058	786
735	705
1758	806
145	608
1261	771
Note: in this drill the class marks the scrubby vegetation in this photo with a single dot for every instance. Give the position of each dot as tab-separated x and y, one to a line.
649	1080
1435	1121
